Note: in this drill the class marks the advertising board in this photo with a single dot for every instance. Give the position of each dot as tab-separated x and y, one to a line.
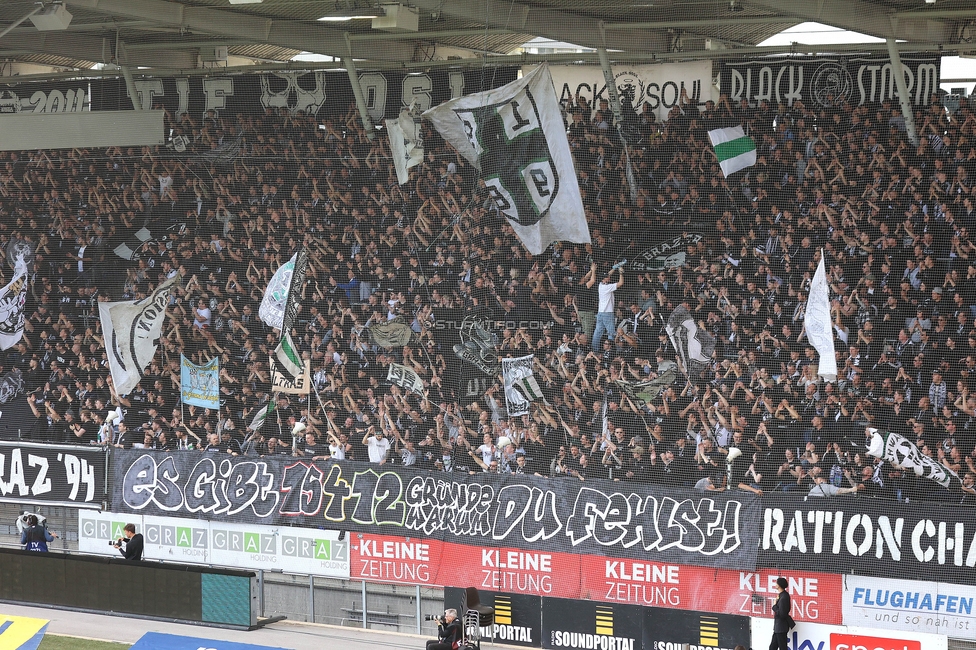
243	546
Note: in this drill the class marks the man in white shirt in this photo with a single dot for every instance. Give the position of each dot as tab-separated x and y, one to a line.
377	445
202	315
606	322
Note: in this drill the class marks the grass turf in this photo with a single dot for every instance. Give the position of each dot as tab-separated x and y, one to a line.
52	642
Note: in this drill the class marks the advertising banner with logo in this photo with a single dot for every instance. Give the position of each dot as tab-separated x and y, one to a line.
932	607
820	81
250	94
54	475
599	626
239	546
587	625
811	636
869	537
518	618
816	596
671	629
520	512
659	85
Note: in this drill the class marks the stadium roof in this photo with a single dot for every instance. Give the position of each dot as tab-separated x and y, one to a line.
169	35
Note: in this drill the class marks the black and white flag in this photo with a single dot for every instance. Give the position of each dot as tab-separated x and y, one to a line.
693	345
902	452
20	251
521	388
132	329
138	241
516	136
13	297
405	378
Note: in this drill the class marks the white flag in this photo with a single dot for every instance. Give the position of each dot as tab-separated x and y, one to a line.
733	148
13	297
131	329
272	309
405	144
516	136
817	322
521	387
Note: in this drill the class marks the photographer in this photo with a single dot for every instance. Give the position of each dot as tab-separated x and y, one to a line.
448	632
133	543
35	537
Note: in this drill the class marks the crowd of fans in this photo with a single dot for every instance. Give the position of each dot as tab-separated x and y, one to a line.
893	221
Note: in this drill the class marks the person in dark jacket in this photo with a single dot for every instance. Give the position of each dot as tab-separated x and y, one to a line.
132	542
448	632
35	537
782	621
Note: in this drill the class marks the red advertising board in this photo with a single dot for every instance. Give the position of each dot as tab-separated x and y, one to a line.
859	642
817	597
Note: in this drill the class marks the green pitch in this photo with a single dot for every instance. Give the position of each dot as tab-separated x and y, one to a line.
52	642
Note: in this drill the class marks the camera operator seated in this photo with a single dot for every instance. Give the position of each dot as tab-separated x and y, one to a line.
133	543
448	632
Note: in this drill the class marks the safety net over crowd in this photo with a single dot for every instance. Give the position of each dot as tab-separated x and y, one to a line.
732	294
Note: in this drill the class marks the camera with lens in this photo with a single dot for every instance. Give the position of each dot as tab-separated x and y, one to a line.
117	542
433	617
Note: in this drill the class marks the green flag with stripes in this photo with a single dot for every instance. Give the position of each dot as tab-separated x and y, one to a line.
733	148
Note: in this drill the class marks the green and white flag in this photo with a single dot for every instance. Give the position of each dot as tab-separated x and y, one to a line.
516	137
733	148
262	415
279	304
287	356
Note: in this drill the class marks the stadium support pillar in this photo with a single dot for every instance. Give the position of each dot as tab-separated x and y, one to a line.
357	92
130	86
611	84
903	96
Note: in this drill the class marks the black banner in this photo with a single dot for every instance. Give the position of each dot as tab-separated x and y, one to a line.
588	625
665	254
869	537
385	92
818	81
45	97
527	512
671	629
57	475
518	617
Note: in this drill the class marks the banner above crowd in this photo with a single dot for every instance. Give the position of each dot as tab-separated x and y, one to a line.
52	475
525	512
824	81
659	85
869	537
328	92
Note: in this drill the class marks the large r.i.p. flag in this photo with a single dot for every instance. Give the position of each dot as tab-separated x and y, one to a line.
516	136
